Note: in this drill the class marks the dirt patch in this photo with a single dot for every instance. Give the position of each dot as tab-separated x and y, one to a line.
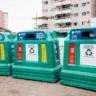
14	92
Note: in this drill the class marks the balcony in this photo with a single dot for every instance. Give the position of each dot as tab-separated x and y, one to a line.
63	20
42	27
63	11
63	27
60	29
61	2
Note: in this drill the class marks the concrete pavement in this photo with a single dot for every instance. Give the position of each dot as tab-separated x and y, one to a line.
18	87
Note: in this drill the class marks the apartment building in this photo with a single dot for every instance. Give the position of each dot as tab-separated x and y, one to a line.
82	12
67	14
3	19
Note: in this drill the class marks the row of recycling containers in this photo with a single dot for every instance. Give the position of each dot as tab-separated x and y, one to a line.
35	55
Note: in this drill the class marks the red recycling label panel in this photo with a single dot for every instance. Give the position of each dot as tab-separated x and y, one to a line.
19	51
72	54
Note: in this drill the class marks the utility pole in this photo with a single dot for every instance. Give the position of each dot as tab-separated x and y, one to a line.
62	14
36	19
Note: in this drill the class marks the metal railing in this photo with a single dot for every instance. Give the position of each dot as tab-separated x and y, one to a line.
60	0
69	17
68	26
61	9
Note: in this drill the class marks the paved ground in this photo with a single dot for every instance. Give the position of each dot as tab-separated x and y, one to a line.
18	87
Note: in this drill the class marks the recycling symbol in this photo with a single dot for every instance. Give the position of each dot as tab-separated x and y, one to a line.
88	52
32	50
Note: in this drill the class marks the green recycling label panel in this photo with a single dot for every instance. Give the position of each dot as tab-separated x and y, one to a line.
88	54
32	52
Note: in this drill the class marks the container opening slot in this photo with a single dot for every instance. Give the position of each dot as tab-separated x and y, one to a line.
30	36
88	34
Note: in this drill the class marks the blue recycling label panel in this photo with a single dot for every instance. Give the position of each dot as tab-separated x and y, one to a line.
76	34
31	35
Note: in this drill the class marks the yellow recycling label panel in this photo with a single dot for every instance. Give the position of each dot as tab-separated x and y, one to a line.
44	55
2	51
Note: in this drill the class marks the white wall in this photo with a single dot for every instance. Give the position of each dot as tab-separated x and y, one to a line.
93	22
50	12
61	46
79	10
5	20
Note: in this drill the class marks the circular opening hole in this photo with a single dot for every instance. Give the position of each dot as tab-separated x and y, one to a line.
91	34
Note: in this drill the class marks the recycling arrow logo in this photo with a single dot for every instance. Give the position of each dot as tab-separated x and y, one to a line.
32	50
88	52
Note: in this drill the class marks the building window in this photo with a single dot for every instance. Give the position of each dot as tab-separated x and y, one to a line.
76	23
88	21
87	12
83	13
52	9
52	17
51	1
55	0
75	5
88	2
71	5
68	24
71	14
46	2
84	22
84	4
75	14
46	10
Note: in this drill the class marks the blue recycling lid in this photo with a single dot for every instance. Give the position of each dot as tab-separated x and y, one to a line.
34	35
86	33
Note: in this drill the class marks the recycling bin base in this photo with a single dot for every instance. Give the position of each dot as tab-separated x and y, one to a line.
79	79
5	69
37	73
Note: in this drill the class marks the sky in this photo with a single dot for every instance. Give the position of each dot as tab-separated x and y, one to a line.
20	13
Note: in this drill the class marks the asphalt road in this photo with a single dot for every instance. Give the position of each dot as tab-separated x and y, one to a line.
18	87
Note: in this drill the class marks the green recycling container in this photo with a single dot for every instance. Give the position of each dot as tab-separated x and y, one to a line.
37	56
79	66
6	53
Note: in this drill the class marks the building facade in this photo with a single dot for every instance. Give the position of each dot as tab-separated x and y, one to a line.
3	19
67	14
